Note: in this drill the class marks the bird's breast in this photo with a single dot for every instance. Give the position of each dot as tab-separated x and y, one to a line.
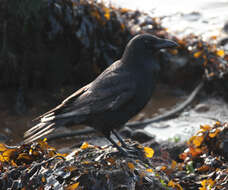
144	90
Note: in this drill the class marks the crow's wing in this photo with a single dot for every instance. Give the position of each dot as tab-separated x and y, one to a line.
66	101
110	91
105	94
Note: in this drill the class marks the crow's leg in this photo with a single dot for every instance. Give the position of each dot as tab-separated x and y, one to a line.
119	148
120	139
131	150
124	152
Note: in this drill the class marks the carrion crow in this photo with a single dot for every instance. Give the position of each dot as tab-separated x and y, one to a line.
114	97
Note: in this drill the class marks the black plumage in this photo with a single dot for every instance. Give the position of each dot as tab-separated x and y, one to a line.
115	96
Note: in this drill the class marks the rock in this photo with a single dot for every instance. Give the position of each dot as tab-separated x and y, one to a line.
202	108
192	17
88	167
174	149
155	146
180	70
142	136
223	41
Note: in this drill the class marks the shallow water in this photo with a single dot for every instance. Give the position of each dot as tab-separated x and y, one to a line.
201	17
182	128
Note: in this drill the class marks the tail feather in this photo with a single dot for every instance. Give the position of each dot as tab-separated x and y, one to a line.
36	136
47	125
34	129
50	121
38	131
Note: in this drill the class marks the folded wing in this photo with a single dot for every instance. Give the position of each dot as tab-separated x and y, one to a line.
108	92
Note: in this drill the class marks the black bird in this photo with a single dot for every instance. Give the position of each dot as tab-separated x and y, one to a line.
114	97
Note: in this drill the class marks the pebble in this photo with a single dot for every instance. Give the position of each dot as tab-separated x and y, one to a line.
141	136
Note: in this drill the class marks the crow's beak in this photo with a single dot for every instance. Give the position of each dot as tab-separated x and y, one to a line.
163	43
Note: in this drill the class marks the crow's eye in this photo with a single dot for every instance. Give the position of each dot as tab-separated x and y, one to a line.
146	41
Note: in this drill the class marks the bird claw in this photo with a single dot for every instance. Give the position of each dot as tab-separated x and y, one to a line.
128	153
125	149
131	152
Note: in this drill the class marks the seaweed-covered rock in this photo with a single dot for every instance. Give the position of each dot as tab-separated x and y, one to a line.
202	165
44	39
88	167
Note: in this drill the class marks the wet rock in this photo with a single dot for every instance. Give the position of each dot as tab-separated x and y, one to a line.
174	149
224	42
142	136
155	145
88	167
200	108
192	17
180	70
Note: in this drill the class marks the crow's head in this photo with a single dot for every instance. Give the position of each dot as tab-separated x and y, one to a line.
142	52
150	42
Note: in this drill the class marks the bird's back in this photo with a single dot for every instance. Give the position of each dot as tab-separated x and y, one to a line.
144	85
